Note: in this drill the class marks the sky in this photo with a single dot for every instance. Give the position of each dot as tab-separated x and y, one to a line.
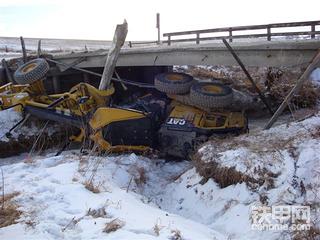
96	19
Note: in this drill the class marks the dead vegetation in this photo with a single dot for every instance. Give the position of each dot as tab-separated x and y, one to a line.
275	83
264	151
141	179
176	235
312	234
9	213
113	225
96	213
92	187
224	176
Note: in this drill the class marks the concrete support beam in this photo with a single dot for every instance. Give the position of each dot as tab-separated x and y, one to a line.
261	53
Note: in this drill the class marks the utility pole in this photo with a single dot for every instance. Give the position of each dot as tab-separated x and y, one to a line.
158	27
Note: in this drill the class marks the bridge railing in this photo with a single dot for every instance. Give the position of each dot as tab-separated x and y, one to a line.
229	32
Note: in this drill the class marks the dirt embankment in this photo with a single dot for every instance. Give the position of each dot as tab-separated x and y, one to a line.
35	137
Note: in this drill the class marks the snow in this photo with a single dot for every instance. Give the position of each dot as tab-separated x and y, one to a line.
315	76
146	193
52	193
8	119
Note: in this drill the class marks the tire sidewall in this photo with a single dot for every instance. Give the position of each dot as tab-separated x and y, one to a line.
35	74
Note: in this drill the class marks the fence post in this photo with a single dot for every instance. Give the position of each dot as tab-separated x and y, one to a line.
169	40
313	29
230	35
269	33
158	27
198	38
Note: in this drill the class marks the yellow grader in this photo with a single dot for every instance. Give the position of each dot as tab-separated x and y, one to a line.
188	112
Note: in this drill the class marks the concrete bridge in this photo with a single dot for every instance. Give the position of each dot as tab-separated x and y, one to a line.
286	53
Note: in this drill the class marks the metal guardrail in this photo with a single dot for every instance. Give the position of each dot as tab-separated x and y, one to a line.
230	30
131	43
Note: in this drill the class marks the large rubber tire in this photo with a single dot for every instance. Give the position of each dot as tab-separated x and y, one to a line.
211	95
173	83
31	71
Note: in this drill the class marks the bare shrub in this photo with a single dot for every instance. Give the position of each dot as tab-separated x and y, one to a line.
113	226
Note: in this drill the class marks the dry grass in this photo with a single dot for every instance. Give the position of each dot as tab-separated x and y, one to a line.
156	229
8	211
141	179
222	175
92	187
96	213
277	82
311	234
113	226
176	235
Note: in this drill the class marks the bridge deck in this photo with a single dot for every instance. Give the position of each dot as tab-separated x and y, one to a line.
259	53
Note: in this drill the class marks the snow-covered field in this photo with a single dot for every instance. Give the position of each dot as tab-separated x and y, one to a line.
155	199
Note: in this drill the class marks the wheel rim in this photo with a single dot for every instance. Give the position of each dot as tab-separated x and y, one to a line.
29	67
212	89
174	77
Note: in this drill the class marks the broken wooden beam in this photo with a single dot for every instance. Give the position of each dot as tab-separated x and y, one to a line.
113	54
314	63
262	97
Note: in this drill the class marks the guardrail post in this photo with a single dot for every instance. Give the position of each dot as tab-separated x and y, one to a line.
269	33
230	35
313	29
198	38
169	40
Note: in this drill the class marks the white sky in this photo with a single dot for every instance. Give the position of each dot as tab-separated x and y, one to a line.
96	19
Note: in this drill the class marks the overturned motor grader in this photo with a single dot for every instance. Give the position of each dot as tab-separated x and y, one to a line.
184	114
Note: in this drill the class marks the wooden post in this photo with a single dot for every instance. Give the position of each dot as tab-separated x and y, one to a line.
269	33
24	52
169	40
39	48
313	29
8	73
230	35
198	38
56	84
314	63
158	27
113	54
263	99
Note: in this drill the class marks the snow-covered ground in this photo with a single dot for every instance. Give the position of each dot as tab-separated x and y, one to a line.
8	119
155	199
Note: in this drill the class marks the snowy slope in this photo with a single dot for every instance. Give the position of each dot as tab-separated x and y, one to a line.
155	199
52	194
